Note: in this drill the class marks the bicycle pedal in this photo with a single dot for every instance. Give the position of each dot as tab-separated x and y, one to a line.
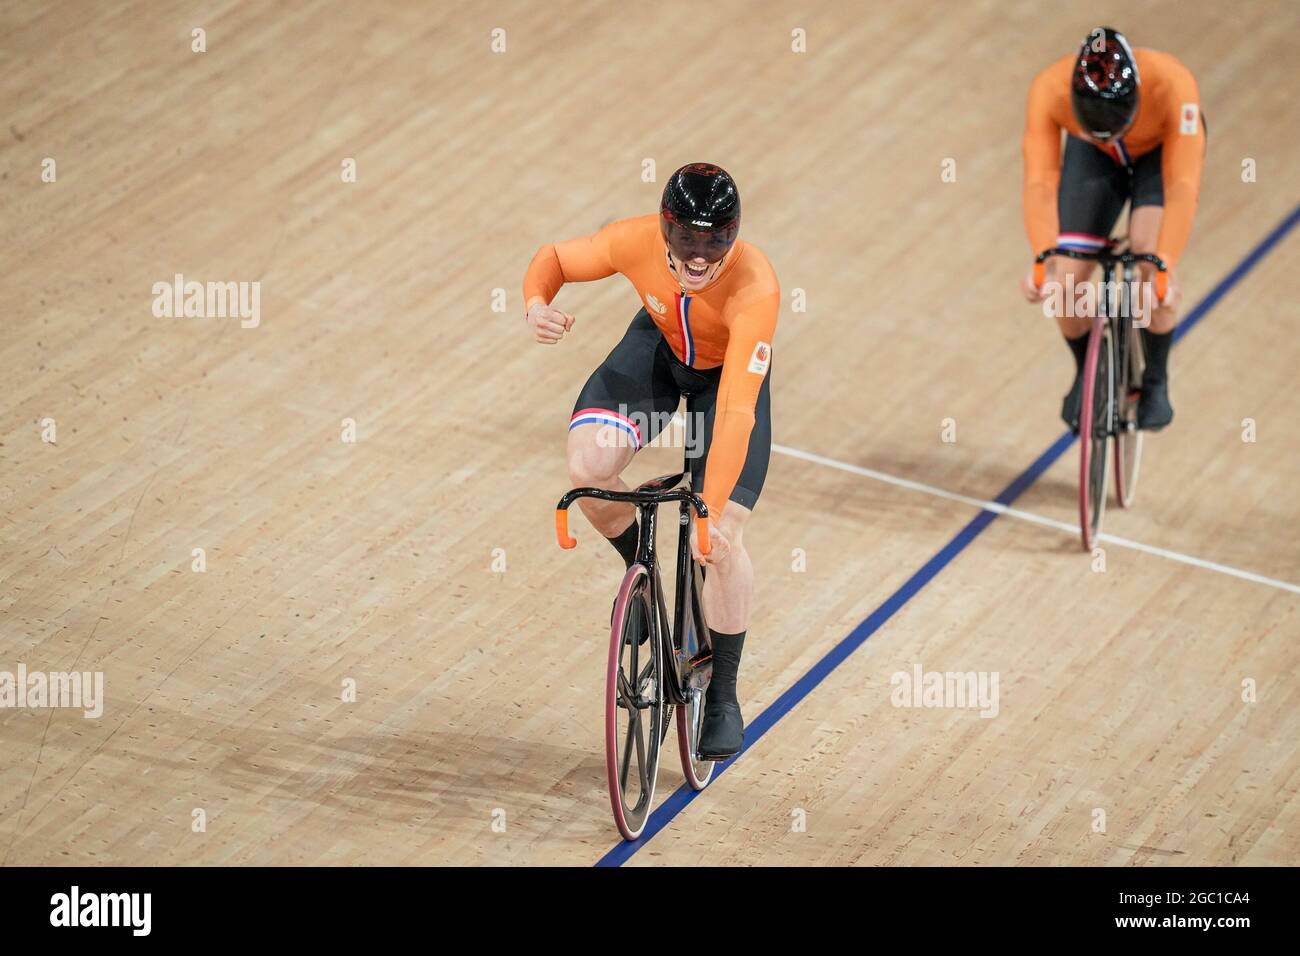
716	759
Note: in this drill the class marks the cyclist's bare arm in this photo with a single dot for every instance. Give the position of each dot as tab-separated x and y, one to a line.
578	260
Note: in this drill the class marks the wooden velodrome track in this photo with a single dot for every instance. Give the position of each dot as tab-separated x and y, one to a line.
475	735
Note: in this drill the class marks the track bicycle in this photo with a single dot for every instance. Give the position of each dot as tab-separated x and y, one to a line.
1112	382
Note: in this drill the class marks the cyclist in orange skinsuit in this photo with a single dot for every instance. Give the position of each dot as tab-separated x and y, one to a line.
1136	133
706	328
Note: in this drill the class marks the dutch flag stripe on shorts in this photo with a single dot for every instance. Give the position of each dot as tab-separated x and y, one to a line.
1081	241
602	416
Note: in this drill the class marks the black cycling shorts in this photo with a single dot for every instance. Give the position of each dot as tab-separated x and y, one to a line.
1094	188
640	385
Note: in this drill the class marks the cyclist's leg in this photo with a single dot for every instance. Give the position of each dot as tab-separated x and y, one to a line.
1154	410
729	584
1143	233
620	409
1090	198
1144	228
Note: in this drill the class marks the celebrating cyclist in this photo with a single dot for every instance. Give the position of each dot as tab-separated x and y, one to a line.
709	310
1135	132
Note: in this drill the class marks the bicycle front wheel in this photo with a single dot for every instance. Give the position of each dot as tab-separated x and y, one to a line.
635	713
1095	416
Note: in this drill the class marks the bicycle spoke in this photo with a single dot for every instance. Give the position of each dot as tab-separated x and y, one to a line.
625	692
641	762
634	721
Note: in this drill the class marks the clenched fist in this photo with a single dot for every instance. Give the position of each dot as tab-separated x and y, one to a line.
548	324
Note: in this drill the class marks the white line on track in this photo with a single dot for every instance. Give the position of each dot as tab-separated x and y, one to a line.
1032	518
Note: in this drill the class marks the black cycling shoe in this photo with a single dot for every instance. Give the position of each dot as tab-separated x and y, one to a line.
723	731
1070	404
1154	410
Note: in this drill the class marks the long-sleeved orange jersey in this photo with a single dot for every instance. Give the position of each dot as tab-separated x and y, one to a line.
1168	115
730	322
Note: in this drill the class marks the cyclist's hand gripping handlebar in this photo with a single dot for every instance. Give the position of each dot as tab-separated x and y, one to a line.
701	510
1103	255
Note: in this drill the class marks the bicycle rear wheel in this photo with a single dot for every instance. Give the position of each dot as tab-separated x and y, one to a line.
1096	409
1128	439
635	712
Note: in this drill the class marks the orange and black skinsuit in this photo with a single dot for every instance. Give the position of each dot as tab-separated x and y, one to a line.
714	345
1157	162
1073	197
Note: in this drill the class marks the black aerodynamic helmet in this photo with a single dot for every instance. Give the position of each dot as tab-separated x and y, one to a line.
700	212
1104	88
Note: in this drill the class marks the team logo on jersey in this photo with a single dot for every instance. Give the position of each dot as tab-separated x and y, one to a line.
656	304
761	359
1187	123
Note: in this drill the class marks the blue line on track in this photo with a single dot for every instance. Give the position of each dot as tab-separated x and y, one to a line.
757	728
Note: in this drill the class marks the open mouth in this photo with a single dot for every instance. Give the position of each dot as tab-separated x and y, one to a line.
696	270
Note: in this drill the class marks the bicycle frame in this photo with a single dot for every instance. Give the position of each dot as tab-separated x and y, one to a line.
1110	257
1113	346
687	610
